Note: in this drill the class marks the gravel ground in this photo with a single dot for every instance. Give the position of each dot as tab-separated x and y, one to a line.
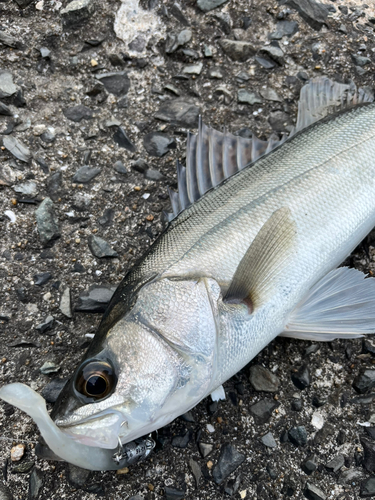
291	429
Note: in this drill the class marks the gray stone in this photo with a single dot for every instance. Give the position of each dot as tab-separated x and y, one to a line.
100	248
226	23
76	476
95	299
107	218
172	88
9	40
274	53
350	476
361	60
52	390
193	69
35	484
177	11
86	174
120	137
205	449
48	136
262	410
336	463
314	13
364	381
54	183
5	110
153	175
158	144
7	87
46	325
284	28
41	279
237	50
116	83
47	222
17	148
242	76
45	52
140	165
181	441
301	378
270	94
369	454
207	5
48	368
263	380
120	167
368	488
174	493
65	303
78	113
27	188
312	492
138	44
265	63
298	435
229	460
77	13
180	112
174	41
309	465
268	440
196	470
208	51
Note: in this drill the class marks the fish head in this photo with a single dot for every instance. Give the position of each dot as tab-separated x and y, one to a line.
154	364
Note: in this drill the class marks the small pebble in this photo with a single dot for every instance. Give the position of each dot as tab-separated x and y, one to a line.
17	452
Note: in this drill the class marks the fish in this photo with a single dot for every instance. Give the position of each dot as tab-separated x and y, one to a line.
251	251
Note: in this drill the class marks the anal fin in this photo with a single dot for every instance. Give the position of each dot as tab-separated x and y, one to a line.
341	305
218	394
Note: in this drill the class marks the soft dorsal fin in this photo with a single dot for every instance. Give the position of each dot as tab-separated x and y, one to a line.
213	156
322	97
258	272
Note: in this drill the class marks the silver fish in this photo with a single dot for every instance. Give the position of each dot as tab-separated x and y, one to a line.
250	253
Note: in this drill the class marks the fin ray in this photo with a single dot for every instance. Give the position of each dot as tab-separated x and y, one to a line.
341	305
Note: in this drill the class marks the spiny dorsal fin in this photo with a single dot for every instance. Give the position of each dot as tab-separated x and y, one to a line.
213	156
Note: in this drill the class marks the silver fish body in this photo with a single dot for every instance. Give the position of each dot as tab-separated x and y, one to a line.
170	332
183	339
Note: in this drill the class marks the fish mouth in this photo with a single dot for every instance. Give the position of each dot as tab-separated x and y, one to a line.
101	430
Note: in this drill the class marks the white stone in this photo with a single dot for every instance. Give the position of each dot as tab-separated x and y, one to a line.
317	420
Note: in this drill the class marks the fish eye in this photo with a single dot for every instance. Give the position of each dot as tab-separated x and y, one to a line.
96	379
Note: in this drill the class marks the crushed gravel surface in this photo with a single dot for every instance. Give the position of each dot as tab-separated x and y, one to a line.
93	115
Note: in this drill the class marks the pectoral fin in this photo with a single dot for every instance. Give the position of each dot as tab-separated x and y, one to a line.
258	272
341	305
